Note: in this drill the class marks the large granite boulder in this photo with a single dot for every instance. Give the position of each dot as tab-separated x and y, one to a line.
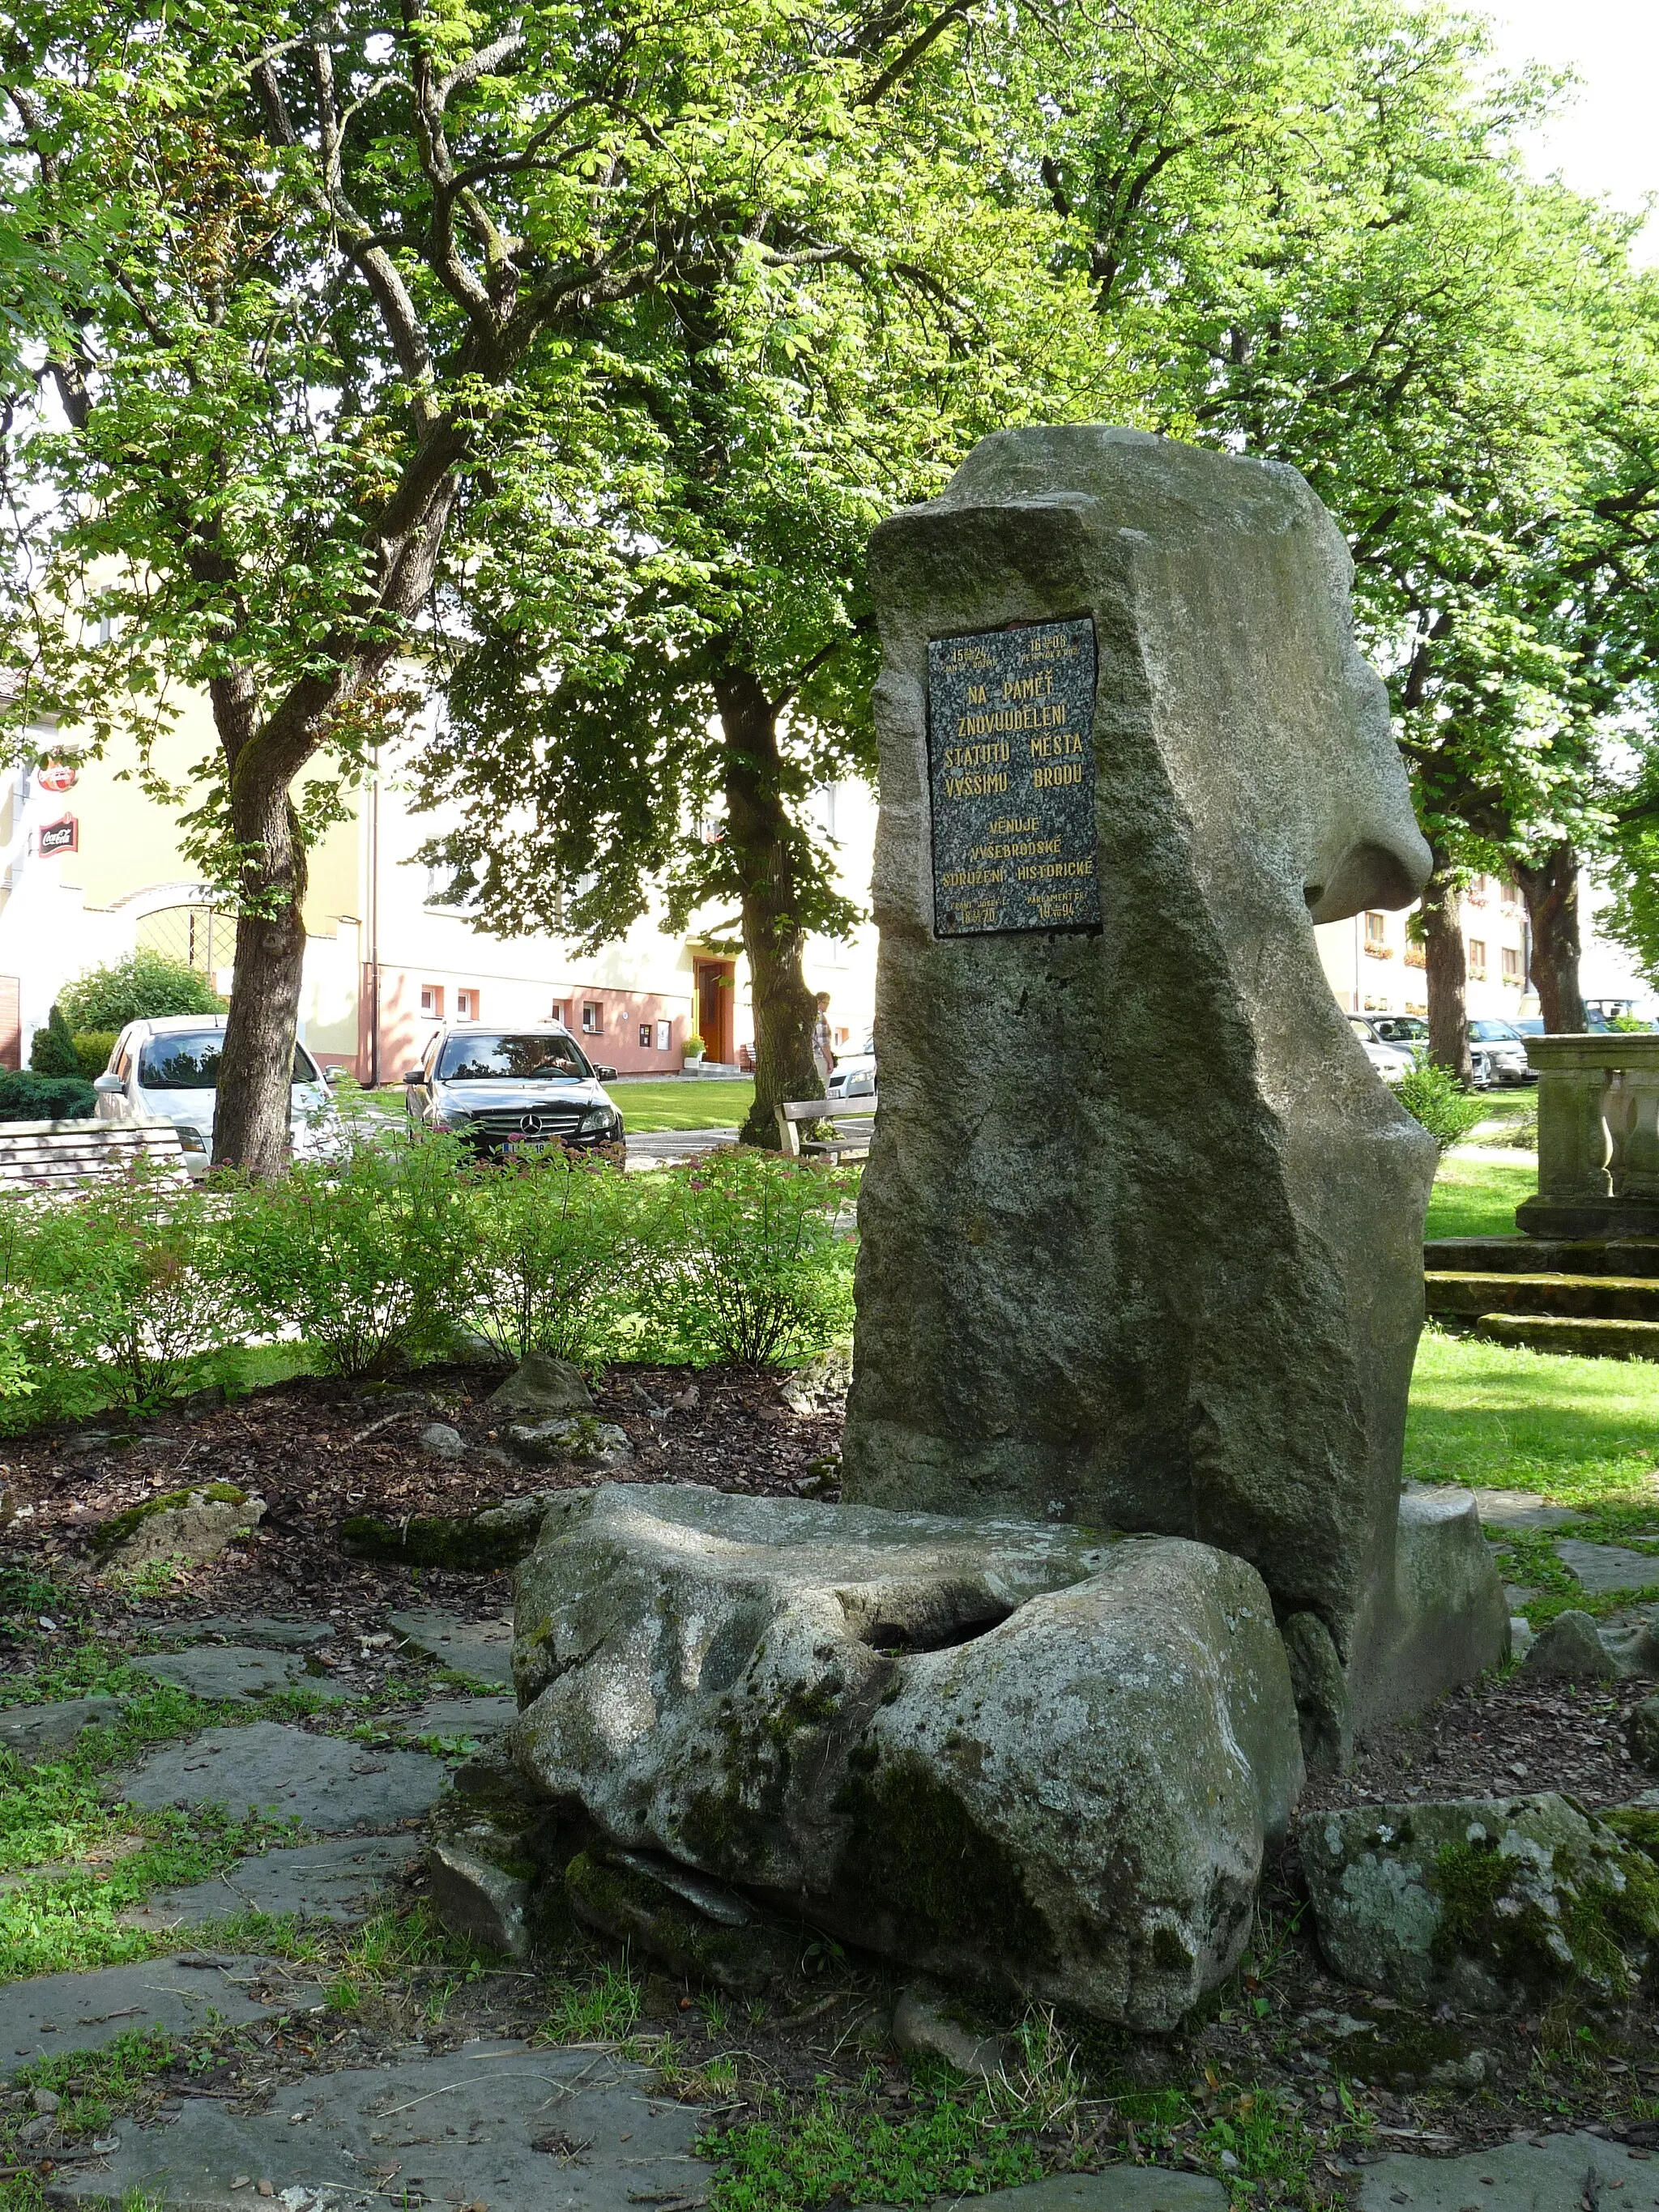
1140	1232
1483	1900
990	1748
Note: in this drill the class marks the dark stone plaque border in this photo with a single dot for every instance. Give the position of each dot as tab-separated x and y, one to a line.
1013	856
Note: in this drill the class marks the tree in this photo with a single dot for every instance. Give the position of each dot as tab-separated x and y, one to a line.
353	273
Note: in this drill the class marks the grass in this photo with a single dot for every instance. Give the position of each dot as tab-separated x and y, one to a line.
1478	1198
696	1103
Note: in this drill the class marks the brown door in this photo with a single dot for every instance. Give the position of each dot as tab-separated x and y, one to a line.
715	994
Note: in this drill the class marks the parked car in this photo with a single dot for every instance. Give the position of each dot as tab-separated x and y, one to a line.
1500	1047
854	1075
169	1068
1392	1062
504	1090
1409	1031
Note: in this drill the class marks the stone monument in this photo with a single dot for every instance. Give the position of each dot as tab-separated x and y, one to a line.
1141	1231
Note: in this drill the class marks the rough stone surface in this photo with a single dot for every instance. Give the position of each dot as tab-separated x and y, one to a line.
1501	1509
274	1632
475	1896
454	1717
1569	1649
476	1543
820	1383
1604	1567
83	2012
480	1649
38	1731
522	2129
325	1784
439	1440
987	1747
1186	1297
1115	2189
572	1440
1477	1898
336	1881
542	1385
190	1526
1642	1735
695	1927
1552	2175
921	2023
229	1670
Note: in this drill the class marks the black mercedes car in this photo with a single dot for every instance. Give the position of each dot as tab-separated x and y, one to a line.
505	1090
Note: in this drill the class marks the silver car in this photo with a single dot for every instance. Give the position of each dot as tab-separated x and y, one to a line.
503	1091
854	1075
168	1068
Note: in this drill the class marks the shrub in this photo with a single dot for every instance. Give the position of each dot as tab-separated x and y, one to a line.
554	1252
1435	1096
138	989
93	1048
744	1257
52	1052
365	1256
26	1096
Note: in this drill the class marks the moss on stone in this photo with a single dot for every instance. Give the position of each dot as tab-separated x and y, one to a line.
1602	1931
124	1525
916	1849
624	1902
436	1540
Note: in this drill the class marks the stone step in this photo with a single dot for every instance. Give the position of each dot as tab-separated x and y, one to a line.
1588	1339
1543	1256
1569	1297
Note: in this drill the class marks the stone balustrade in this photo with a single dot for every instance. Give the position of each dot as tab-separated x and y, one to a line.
1598	1136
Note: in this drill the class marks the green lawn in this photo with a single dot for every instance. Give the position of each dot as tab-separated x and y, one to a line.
678	1103
1478	1198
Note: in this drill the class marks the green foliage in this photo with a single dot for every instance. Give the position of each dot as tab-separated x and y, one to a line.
603	2011
52	1052
364	1255
1434	1097
93	1048
143	986
745	1258
553	1256
28	1095
829	2149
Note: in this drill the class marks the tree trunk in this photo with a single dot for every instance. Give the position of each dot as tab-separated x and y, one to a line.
250	1116
1551	891
763	841
1447	971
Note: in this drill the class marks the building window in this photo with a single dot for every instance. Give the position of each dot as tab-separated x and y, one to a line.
1477	959
1512	965
560	1011
644	1036
1415	958
466	1005
593	1018
665	1036
1377	936
432	1000
1509	894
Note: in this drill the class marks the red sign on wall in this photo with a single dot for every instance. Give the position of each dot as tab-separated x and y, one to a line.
61	837
58	775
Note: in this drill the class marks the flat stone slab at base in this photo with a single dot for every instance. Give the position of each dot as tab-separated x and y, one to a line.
83	2012
1116	2189
1603	1567
1501	1509
278	1634
319	1780
462	2128
480	1649
474	1717
338	1880
40	1731
217	1671
1515	2176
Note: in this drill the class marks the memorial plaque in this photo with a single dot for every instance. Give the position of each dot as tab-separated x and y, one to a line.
1011	765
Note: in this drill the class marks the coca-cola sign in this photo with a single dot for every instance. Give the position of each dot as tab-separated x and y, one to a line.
58	775
61	837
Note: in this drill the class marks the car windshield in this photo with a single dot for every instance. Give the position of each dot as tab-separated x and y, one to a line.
1402	1029
188	1059
512	1057
1493	1033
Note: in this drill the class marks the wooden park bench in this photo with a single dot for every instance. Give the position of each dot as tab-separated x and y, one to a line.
859	1114
36	1156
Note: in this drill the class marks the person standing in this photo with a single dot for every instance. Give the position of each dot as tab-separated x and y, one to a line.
823	1057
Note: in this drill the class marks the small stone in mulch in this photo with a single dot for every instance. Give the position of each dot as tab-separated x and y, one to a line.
230	1670
1557	2173
542	1384
497	2127
32	1731
438	1440
284	1635
480	1649
338	1880
83	2012
325	1784
474	1717
1569	1650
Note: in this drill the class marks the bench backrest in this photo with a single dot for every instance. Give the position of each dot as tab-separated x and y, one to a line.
791	1111
42	1155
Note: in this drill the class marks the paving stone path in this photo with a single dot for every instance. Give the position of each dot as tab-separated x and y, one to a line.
473	1717
480	1649
83	2012
498	2126
219	1671
324	1782
338	1880
1552	2173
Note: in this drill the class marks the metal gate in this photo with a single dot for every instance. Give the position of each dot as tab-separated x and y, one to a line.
198	935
